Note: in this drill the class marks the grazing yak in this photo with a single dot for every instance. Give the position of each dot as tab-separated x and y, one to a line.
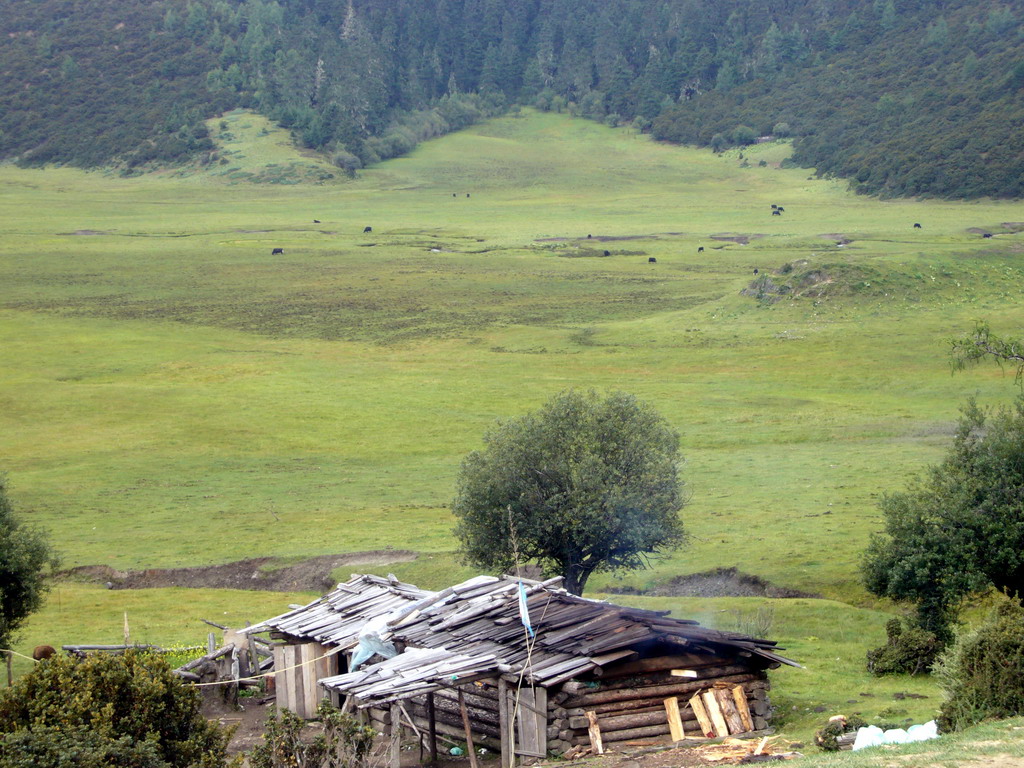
43	652
367	229
916	225
776	212
277	251
652	260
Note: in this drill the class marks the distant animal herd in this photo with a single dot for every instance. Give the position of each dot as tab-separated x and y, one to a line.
776	210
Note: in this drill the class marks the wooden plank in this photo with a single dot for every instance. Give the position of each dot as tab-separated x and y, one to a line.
594	731
740	697
395	732
675	722
532	722
508	755
431	729
684	673
470	748
728	706
706	726
715	713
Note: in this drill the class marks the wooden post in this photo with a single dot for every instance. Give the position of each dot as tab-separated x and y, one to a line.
396	736
675	722
470	748
254	658
10	675
594	731
508	755
431	729
211	643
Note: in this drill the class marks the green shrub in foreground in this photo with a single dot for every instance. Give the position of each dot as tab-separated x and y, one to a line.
78	747
982	674
123	703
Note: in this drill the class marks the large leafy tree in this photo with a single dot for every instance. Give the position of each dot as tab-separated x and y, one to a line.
25	560
586	483
959	529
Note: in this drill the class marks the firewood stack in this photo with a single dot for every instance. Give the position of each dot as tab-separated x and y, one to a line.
703	702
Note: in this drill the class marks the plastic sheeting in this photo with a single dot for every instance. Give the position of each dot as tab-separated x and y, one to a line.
873	736
371	642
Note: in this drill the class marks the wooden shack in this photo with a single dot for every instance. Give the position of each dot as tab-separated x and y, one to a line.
591	673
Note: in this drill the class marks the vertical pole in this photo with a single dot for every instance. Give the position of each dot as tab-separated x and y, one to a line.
10	675
470	748
508	756
431	729
211	643
396	736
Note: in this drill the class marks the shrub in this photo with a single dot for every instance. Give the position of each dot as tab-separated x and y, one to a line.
123	701
909	650
743	134
828	737
344	743
982	674
78	747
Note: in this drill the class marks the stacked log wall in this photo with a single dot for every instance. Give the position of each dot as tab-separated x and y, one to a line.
481	706
633	707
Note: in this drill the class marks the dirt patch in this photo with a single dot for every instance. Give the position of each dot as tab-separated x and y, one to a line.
83	232
260	573
839	239
718	582
248	721
731	238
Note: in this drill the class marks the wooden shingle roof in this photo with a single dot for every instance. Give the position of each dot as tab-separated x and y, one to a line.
476	626
337	617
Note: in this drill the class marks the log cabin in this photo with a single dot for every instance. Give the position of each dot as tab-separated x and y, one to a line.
519	666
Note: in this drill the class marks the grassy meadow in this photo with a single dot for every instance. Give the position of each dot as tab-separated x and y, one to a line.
174	394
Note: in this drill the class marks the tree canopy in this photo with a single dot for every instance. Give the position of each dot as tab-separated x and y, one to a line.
902	98
586	483
25	559
959	529
982	344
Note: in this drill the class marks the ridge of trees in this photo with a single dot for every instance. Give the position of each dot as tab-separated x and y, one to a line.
903	97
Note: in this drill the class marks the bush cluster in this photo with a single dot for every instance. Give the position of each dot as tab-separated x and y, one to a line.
982	674
909	650
106	710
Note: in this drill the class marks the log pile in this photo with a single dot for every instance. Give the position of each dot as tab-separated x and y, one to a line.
708	702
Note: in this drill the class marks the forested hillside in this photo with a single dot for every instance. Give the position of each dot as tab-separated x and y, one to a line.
904	97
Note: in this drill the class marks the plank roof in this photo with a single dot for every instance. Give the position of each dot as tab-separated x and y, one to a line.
475	627
337	618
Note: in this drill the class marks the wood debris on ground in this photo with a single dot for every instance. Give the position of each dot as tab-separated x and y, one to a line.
742	751
729	751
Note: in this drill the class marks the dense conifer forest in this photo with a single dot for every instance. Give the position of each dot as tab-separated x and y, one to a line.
902	97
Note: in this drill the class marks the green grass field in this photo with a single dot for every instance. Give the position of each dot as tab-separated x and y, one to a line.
174	394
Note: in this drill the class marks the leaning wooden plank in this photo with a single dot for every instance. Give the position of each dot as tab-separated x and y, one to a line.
675	722
740	697
594	731
728	706
706	726
715	713
470	749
